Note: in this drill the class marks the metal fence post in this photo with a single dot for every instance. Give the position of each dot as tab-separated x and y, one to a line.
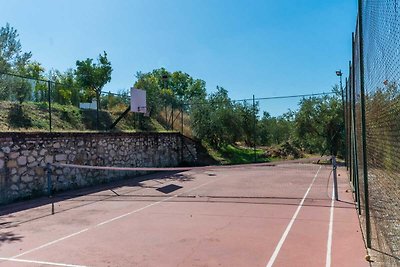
182	119
49	100
363	124
356	183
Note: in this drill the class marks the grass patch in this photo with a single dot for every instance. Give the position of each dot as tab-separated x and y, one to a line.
237	155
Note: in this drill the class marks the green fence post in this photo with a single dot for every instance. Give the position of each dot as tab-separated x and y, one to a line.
49	100
363	124
349	125
356	183
346	129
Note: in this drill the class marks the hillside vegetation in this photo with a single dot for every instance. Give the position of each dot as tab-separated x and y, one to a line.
33	116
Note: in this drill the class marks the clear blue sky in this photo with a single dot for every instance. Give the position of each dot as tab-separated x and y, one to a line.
261	47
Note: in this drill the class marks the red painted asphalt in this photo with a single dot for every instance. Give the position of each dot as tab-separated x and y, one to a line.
215	217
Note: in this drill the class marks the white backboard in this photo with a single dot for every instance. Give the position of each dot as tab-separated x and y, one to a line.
138	100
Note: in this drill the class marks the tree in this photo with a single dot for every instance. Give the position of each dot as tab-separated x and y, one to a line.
11	54
319	124
247	115
12	59
93	77
175	89
217	119
66	89
276	130
185	88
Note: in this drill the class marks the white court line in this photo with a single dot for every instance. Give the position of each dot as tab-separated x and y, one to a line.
155	203
108	221
51	243
283	238
42	262
329	243
111	220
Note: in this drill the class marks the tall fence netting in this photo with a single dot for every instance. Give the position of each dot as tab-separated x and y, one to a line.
381	61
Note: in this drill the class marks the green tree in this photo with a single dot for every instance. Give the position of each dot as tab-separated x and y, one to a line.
11	55
36	71
276	130
175	89
93	76
247	115
12	59
185	88
66	90
217	119
319	124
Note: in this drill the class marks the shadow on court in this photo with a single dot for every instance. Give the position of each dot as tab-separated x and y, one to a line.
39	208
9	237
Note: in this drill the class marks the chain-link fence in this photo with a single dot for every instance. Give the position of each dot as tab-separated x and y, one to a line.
15	92
373	104
50	105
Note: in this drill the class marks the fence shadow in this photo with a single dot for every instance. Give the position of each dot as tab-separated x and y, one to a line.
136	183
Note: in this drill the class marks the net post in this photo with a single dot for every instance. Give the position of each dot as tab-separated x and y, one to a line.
335	184
254	130
49	186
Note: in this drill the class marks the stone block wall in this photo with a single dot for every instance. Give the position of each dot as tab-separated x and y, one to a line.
23	158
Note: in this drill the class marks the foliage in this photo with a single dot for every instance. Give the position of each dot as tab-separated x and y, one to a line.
319	124
232	154
275	130
11	55
12	59
220	121
118	101
65	89
382	121
93	76
174	89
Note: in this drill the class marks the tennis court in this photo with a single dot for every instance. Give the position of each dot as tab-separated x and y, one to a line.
251	215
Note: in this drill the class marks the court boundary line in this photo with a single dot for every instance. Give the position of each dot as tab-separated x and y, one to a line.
42	262
330	231
289	226
108	221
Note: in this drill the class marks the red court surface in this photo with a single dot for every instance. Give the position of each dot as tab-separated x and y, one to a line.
253	215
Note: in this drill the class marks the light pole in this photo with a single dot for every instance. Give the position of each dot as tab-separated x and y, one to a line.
340	74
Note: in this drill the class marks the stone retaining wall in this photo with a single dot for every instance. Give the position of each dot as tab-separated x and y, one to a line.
23	158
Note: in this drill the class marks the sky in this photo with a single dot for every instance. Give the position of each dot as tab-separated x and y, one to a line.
264	48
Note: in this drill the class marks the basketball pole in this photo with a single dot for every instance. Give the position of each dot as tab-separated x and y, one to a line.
120	118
